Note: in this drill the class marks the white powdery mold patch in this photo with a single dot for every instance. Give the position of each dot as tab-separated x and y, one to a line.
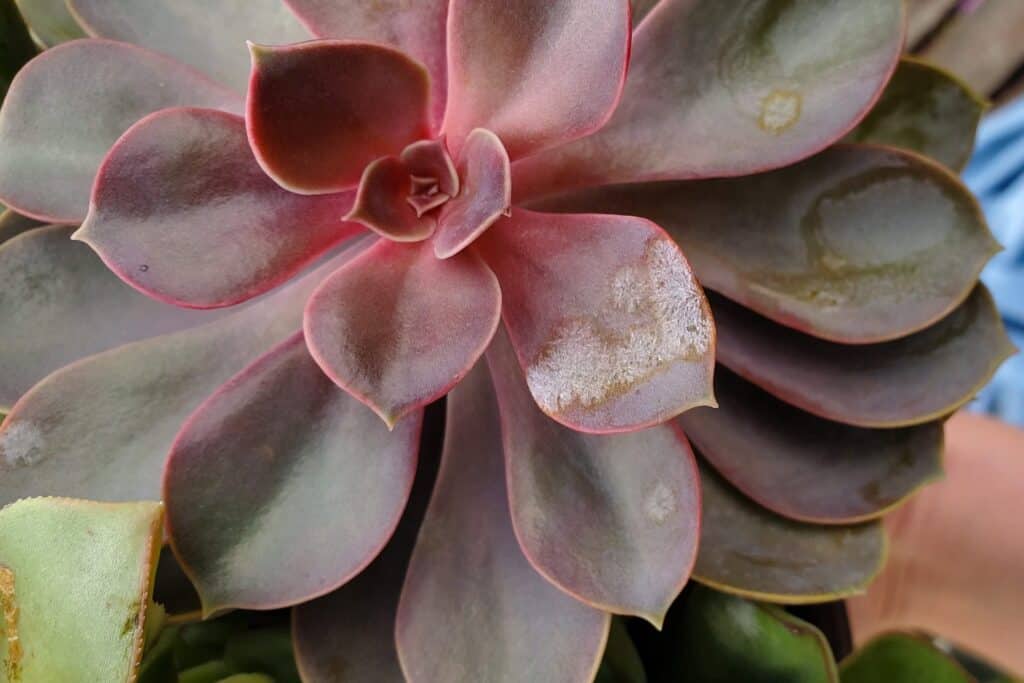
659	503
21	444
590	360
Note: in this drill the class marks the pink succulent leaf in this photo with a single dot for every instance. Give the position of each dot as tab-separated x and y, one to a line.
206	35
383	201
277	446
398	328
732	88
467	562
536	72
485	196
613	520
369	101
62	304
78	433
67	107
181	211
429	159
609	323
417	28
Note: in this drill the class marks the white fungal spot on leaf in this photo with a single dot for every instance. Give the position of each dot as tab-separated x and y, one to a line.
780	110
653	316
21	444
660	503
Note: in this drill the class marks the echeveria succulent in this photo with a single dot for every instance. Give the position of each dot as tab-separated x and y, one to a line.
378	202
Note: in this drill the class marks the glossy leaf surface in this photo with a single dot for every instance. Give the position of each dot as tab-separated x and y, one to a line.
181	211
720	638
79	433
310	453
417	28
62	304
749	551
611	519
901	657
609	324
75	578
807	468
732	88
70	104
370	101
397	327
50	21
858	244
182	29
927	110
467	557
911	380
536	72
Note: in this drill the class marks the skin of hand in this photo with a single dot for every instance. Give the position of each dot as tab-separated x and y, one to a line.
956	554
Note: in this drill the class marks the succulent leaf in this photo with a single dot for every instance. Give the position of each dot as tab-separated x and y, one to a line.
370	101
50	21
75	580
13	224
417	28
310	453
731	88
505	62
807	468
382	203
858	244
467	560
73	305
70	104
182	29
614	519
748	551
901	657
911	380
609	324
222	232
120	410
927	110
717	638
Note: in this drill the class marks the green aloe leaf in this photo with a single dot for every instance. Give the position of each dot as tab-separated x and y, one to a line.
901	657
75	587
918	378
747	550
806	468
50	21
925	109
16	46
719	638
621	662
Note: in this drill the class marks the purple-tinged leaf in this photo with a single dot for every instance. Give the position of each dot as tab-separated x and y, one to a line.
859	244
60	303
923	377
748	551
472	607
209	36
484	197
100	428
281	487
70	104
182	212
732	88
536	72
429	160
613	520
369	101
609	324
397	327
417	28
383	203
807	468
927	110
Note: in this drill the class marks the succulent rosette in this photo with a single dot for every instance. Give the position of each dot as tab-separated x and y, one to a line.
379	202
